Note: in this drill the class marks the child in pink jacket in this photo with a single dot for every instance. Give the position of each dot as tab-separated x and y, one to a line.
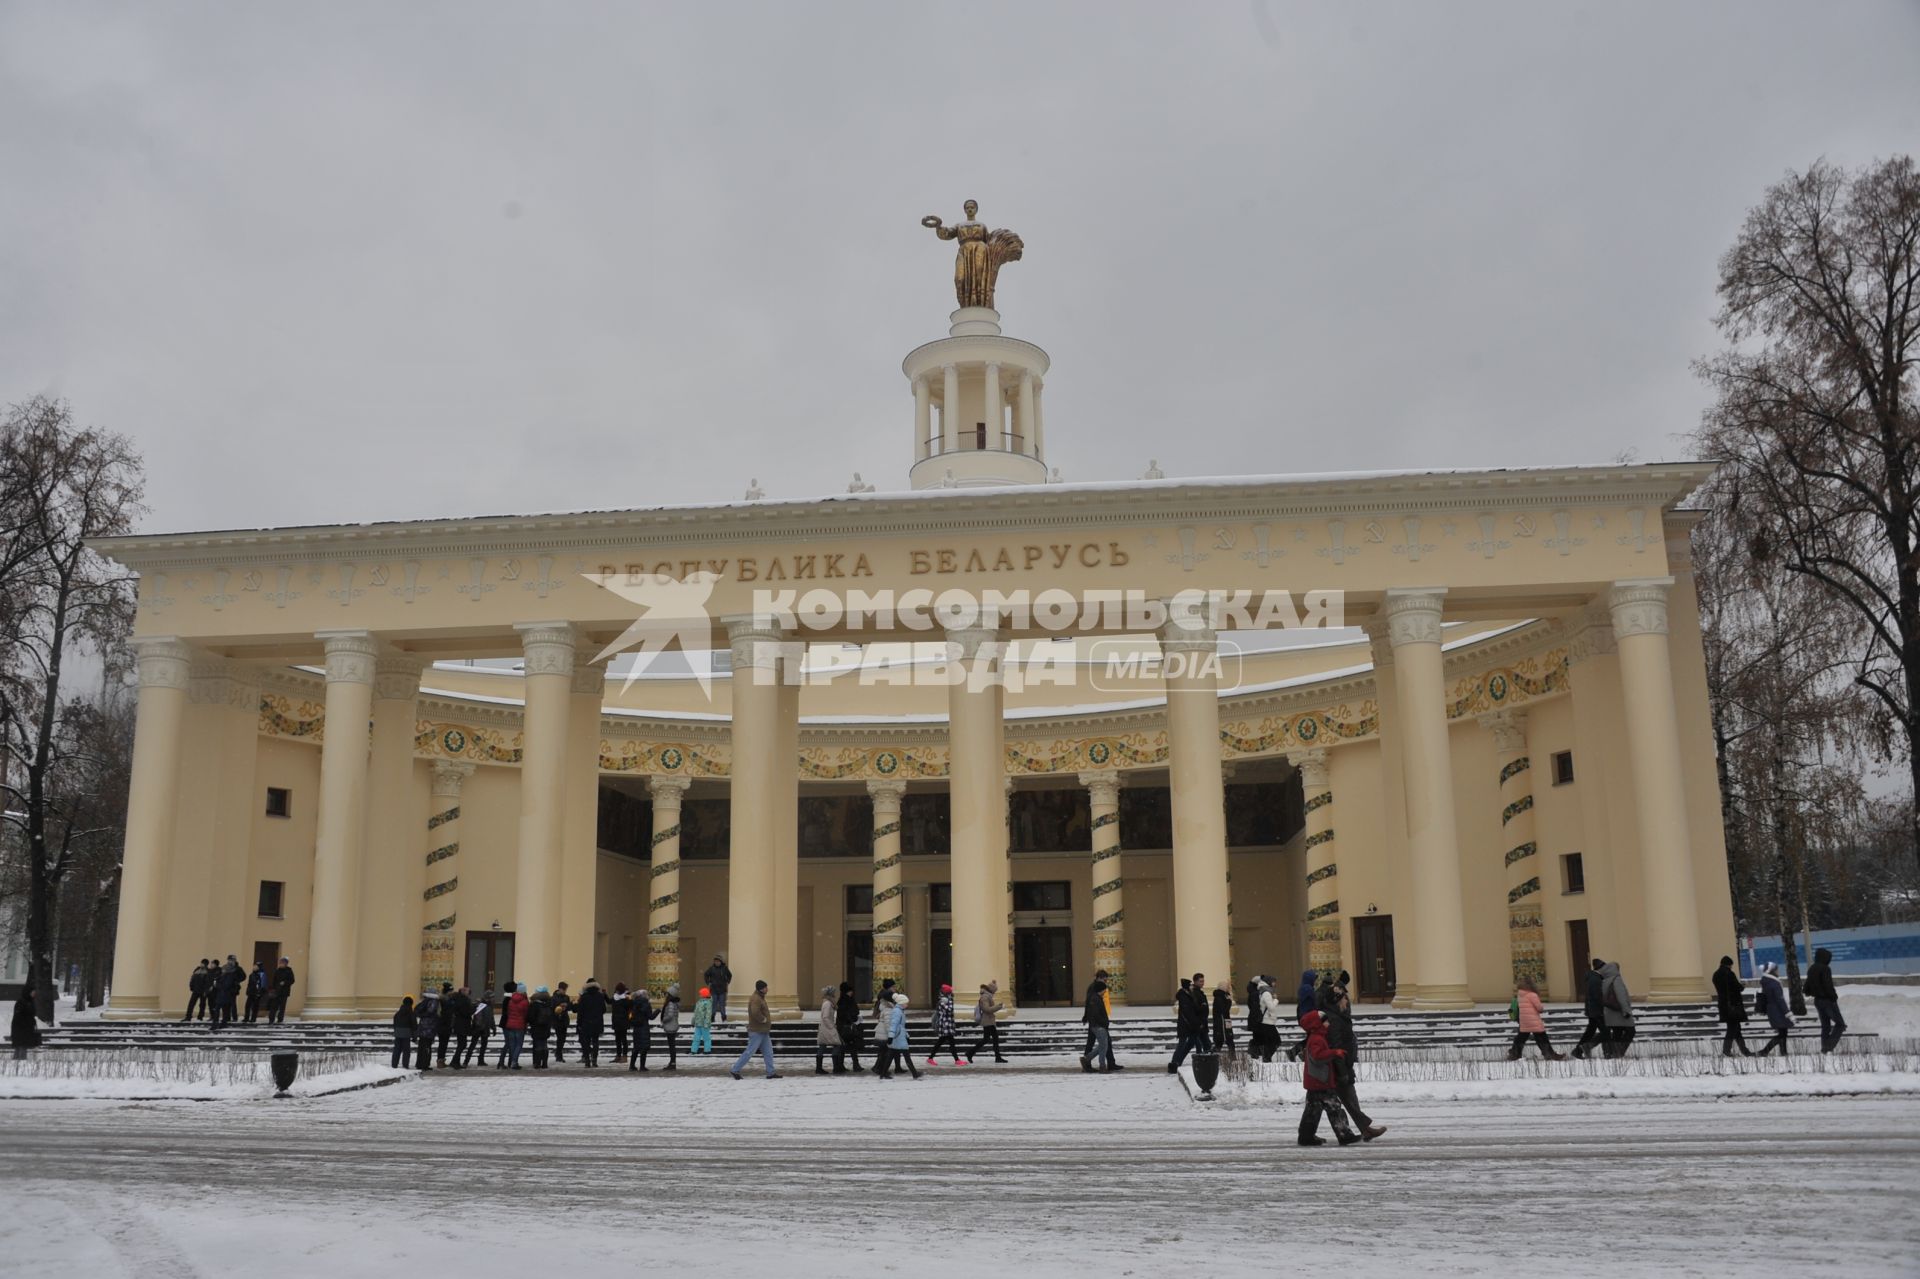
1532	1024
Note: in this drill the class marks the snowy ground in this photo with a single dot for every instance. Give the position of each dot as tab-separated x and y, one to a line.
1035	1170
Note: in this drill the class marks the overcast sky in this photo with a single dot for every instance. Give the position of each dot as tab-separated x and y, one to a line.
338	262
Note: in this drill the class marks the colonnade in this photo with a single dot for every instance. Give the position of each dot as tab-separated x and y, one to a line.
1024	397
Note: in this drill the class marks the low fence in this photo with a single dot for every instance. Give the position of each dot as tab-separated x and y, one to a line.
1857	952
217	1067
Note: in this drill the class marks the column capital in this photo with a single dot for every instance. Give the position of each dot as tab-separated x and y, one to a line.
1509	729
970	639
1188	634
214	682
449	775
164	662
350	655
548	647
1379	642
667	790
1413	614
396	677
1590	635
755	641
1103	787
1316	772
887	793
1638	605
590	678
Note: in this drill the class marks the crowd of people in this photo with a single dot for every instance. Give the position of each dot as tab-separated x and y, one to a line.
536	1023
215	992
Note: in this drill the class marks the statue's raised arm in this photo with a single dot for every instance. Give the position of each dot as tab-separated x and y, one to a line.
976	265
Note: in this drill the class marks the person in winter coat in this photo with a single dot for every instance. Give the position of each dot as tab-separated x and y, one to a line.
1273	1015
1596	1031
620	1017
592	1014
718	977
516	1011
540	1022
945	1028
232	981
1826	999
444	1031
899	1053
1263	1037
1533	1023
1340	1035
25	1032
1319	1076
1616	1005
403	1024
846	1023
426	1026
1731	997
1097	1014
986	1014
1773	1002
1189	1020
562	1020
259	986
282	992
759	1033
826	1039
640	1020
479	1031
1306	1000
199	985
882	1019
703	1023
670	1026
1223	1017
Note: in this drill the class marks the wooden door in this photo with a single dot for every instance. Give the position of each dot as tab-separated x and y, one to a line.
489	961
1373	958
1582	955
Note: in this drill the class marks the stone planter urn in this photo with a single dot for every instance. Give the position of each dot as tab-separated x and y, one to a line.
1206	1073
285	1066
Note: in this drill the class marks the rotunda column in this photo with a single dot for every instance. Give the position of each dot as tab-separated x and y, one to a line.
1202	917
548	679
1029	442
978	808
333	939
1040	431
1433	841
1109	902
439	914
889	906
152	799
1639	609
1324	950
993	407
663	907
922	418
1526	927
949	408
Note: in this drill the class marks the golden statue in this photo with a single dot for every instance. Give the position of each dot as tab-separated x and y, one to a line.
977	265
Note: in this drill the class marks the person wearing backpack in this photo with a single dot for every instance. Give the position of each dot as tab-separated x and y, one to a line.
426	1025
1772	1001
945	1028
1732	1000
1616	1006
986	1017
702	1024
670	1026
540	1022
1319	1076
640	1015
479	1030
1596	1028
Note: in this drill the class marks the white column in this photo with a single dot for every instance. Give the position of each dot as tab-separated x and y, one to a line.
754	790
1109	899
663	907
995	410
1202	916
978	808
889	904
1040	426
390	880
439	903
152	799
922	417
548	648
949	409
1029	442
1433	841
1639	608
333	946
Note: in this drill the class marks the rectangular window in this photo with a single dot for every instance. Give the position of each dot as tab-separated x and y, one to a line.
272	898
1573	873
940	899
279	801
859	899
1562	767
1042	894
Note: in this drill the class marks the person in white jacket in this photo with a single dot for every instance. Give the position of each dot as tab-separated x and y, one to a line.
1273	1015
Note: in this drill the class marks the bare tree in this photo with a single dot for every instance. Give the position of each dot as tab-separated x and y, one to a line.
1816	418
58	601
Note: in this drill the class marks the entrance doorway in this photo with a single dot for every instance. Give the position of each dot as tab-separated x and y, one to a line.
1373	957
939	959
267	953
859	965
1043	965
1582	956
489	960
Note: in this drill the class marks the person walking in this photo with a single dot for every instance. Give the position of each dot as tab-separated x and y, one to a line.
403	1023
846	1021
1596	1030
25	1031
620	1015
199	984
1533	1023
718	977
1826	999
540	1023
1305	1000
1319	1077
899	1052
1189	1020
516	1011
592	1012
1340	1035
282	992
1772	1001
1273	1015
945	1029
882	1020
826	1040
1223	1017
427	1017
1617	1007
1097	1014
670	1026
640	1015
759	1033
459	1006
562	1018
986	1016
259	986
1731	997
479	1031
702	1024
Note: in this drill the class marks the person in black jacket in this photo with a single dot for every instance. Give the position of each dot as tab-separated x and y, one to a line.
459	1011
1190	1020
199	989
403	1024
717	978
443	1023
1732	999
562	1018
540	1022
259	986
846	1020
1098	1016
1596	1031
427	1016
640	1014
1222	1018
1339	1018
282	992
25	1033
227	984
620	1017
592	1014
1820	989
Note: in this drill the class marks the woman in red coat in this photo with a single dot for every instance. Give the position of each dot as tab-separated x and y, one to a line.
1322	1083
513	1020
